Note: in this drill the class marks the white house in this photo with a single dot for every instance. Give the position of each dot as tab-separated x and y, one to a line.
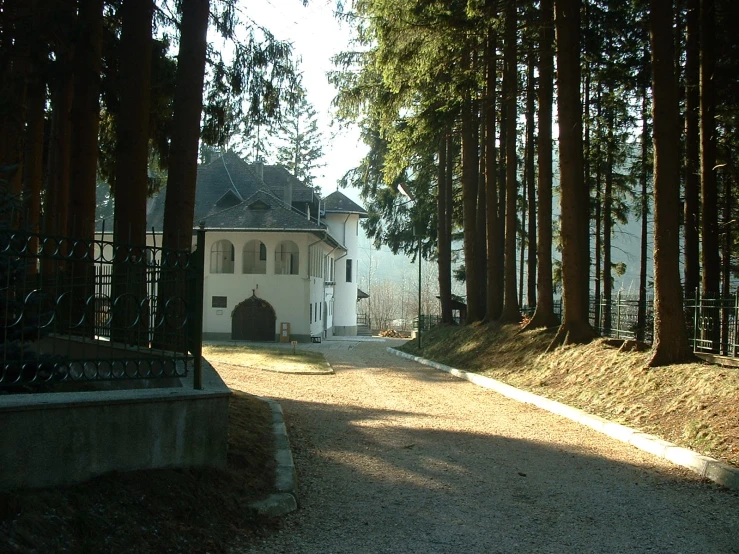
276	253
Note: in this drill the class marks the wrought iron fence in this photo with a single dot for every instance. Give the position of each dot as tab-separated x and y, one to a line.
90	310
713	323
621	318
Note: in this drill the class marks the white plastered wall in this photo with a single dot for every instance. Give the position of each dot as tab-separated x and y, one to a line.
293	297
345	228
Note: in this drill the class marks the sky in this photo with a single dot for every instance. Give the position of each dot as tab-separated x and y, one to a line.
316	36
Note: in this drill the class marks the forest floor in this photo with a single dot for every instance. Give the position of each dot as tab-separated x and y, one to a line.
693	405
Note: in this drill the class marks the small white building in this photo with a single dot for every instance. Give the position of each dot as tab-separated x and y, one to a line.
279	258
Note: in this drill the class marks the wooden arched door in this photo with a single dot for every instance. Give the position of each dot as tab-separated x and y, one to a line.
253	319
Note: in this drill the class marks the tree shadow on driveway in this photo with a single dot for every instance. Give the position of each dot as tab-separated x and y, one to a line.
377	480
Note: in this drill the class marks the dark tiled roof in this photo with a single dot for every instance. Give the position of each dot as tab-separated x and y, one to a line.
261	210
275	177
229	179
337	202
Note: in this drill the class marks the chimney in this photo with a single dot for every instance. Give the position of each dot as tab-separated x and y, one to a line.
259	168
288	192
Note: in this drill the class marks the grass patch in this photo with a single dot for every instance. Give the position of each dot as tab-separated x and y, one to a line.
270	359
154	511
693	405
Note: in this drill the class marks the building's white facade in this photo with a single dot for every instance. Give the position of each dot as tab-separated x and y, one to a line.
303	298
345	228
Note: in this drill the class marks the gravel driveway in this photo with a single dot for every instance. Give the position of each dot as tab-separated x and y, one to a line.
396	457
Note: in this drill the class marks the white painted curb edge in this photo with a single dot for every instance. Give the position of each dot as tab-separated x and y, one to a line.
285	499
707	467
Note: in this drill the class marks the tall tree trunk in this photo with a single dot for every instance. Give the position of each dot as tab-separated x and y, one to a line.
692	148
56	200
709	188
575	327
33	147
531	181
479	128
444	236
33	162
85	120
451	156
726	247
16	24
469	201
511	312
641	318
522	254
179	204
502	187
544	315
131	177
598	209
132	149
608	220
84	154
494	295
670	336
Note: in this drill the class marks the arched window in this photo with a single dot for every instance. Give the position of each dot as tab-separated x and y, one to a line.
222	257
287	258
255	257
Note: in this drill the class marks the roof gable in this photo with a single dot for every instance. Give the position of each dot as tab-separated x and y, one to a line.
259	205
337	202
227	200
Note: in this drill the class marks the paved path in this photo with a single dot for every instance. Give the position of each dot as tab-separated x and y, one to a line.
395	457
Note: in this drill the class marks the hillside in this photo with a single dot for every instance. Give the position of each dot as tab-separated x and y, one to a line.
693	405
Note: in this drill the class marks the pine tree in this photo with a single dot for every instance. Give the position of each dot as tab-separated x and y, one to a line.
670	336
575	326
302	144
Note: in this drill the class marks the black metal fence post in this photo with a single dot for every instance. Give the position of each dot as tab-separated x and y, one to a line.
695	318
199	262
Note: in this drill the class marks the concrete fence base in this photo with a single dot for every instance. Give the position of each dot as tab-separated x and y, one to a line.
60	438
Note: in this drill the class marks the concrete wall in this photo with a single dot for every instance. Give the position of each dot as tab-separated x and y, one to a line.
58	438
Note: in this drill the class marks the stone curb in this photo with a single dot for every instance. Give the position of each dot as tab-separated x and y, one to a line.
285	498
707	467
